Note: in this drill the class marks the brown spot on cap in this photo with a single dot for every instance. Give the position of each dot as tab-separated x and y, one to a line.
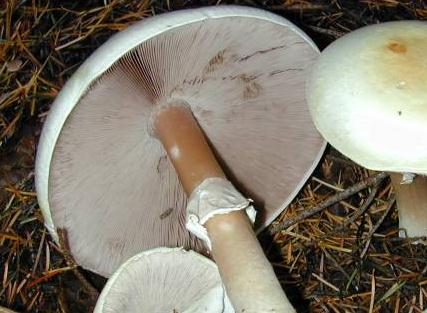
396	47
166	213
251	90
217	60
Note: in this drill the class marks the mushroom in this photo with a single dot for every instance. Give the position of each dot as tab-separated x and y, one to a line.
165	280
367	94
153	117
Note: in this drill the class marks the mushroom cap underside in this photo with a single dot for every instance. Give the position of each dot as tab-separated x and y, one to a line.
103	176
165	280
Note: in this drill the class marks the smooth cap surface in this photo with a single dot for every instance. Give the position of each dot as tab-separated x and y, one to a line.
368	96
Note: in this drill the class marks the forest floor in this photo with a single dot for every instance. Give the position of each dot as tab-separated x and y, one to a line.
323	266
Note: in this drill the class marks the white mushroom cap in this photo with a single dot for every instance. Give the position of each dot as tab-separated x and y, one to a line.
101	174
165	280
368	96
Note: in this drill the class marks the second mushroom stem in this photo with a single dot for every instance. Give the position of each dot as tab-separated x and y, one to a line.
249	279
411	204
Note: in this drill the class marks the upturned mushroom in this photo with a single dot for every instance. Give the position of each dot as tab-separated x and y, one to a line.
155	115
165	280
368	97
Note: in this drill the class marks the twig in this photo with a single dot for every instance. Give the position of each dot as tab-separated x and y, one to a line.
392	200
327	185
356	215
325	282
330	32
92	292
39	251
372	180
364	207
299	7
372	302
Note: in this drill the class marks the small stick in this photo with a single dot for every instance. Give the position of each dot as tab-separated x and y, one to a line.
69	260
326	282
372	180
327	185
359	212
364	207
377	225
39	252
330	32
299	7
372	302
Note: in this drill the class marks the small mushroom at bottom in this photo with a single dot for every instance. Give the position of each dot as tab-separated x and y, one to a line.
165	280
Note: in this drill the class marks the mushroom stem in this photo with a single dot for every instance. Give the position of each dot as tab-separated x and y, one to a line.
247	275
186	146
412	204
